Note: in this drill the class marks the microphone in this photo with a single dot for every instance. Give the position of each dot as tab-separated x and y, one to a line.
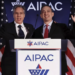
36	20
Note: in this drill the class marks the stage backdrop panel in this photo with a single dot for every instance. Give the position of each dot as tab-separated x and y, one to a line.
61	9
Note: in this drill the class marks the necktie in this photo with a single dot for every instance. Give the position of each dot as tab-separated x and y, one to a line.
46	32
21	33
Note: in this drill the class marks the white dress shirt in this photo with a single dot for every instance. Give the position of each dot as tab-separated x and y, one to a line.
49	27
22	27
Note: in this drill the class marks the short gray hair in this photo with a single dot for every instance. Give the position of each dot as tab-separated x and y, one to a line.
16	6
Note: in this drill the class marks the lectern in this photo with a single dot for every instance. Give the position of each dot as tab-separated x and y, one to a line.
38	56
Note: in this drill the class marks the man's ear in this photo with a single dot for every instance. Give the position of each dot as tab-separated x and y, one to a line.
24	15
13	15
41	15
52	14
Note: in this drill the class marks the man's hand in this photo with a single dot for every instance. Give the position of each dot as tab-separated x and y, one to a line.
73	17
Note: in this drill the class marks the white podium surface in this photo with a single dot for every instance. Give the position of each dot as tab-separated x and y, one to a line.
40	61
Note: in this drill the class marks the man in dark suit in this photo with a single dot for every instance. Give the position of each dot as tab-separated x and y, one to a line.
55	30
15	29
50	29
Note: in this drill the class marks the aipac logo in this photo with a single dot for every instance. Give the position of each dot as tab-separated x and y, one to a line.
38	71
29	43
38	5
46	43
17	3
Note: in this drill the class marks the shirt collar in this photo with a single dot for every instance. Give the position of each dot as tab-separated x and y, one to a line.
22	25
49	23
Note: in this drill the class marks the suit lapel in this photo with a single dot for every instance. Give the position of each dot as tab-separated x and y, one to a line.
52	30
29	32
41	31
13	29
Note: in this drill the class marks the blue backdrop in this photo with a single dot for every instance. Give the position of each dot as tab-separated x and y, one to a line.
61	9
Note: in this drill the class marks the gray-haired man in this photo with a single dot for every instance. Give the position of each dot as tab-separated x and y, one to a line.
15	29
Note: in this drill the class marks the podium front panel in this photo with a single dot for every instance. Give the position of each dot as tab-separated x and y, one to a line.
38	57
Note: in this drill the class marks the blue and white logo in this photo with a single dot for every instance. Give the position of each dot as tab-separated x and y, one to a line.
38	57
38	71
30	43
17	3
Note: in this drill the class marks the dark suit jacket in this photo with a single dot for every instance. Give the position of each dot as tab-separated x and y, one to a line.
57	31
8	32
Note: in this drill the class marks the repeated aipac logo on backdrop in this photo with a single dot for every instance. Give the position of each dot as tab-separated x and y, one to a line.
39	5
30	43
38	71
17	3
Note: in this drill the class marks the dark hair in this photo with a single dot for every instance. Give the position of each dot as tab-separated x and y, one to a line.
47	6
16	6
